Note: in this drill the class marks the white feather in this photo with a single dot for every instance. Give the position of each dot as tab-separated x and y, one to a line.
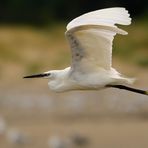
106	17
91	36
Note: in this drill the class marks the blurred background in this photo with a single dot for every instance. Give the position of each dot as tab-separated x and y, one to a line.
31	116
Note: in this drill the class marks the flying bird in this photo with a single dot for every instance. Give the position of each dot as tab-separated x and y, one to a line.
90	37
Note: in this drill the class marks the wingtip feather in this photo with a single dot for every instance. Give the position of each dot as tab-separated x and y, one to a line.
106	17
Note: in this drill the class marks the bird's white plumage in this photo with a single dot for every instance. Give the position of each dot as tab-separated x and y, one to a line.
106	17
91	48
91	36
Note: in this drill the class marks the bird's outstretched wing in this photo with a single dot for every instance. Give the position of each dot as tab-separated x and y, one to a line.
91	36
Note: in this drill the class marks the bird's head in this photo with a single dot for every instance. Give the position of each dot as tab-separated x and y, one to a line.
52	74
54	77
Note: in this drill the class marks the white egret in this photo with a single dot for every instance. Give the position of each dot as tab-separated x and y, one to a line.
90	37
2	126
17	137
59	142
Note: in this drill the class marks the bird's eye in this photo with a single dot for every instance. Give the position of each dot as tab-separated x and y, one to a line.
47	74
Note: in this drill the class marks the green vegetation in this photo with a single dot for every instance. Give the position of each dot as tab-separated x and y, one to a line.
43	12
134	47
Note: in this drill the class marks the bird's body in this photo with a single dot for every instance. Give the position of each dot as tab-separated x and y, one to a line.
66	79
90	37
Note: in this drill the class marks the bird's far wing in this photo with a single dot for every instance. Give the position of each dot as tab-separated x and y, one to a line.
105	17
91	35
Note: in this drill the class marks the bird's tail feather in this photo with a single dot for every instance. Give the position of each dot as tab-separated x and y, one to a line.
144	92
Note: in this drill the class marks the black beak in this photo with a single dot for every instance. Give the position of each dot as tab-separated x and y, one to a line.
38	75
